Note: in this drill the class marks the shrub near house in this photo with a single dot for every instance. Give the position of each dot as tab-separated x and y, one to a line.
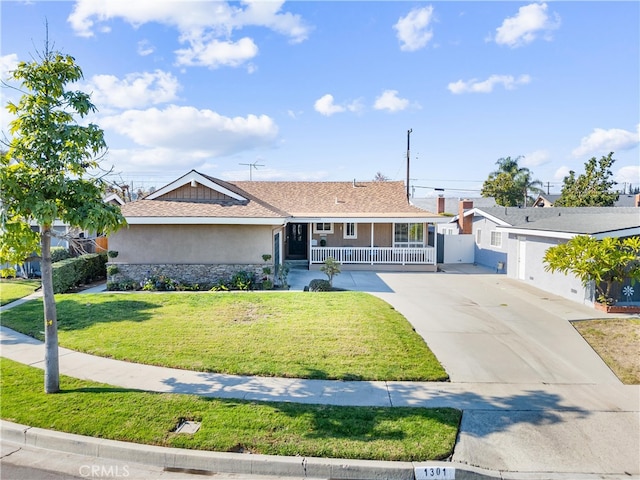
606	263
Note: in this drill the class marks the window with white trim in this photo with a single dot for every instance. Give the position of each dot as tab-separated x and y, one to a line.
408	235
478	236
350	230
496	239
322	227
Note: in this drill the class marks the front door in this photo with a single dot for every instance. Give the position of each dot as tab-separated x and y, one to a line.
297	241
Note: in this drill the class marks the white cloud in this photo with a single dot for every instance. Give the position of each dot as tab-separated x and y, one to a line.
7	64
628	175
390	101
133	91
604	141
486	86
205	28
523	28
413	30
535	159
215	53
189	131
145	48
325	106
561	173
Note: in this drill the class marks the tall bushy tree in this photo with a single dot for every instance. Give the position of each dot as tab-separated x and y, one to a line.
45	177
511	184
593	188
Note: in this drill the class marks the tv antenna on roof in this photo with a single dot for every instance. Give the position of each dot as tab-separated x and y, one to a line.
251	167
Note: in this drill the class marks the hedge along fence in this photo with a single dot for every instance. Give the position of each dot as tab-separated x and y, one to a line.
80	270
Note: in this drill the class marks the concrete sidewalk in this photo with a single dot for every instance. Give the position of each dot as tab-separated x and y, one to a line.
578	422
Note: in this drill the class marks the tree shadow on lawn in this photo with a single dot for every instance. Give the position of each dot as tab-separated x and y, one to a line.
534	407
76	313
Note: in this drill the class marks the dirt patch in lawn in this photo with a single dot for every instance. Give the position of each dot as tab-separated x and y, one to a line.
618	344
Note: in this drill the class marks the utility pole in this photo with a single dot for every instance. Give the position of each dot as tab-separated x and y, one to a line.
408	158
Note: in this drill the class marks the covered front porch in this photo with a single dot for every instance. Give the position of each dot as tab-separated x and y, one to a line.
382	244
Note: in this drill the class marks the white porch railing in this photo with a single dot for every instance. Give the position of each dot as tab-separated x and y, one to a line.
375	255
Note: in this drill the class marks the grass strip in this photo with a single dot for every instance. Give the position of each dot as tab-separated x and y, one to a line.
617	341
333	335
15	289
272	428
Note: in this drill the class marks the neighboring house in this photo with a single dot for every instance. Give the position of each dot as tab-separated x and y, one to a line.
545	200
513	240
624	200
528	242
113	199
200	228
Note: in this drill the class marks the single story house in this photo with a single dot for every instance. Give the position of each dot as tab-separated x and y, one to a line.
513	240
200	229
528	242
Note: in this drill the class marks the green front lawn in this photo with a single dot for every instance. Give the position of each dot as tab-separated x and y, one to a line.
97	410
334	335
14	289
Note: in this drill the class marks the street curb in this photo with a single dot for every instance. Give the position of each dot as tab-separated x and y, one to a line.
206	462
237	463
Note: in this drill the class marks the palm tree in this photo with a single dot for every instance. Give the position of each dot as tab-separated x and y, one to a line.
520	182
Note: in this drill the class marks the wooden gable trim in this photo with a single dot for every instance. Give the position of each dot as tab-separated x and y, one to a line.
196	180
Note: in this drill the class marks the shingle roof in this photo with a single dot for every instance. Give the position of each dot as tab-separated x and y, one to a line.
164	208
324	199
519	216
290	199
586	223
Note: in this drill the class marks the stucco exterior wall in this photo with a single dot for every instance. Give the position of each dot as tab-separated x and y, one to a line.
486	254
382	235
533	272
192	244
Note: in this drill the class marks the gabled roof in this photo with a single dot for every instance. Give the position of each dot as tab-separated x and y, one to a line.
199	198
543	197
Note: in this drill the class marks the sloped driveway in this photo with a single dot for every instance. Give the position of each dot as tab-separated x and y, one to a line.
489	328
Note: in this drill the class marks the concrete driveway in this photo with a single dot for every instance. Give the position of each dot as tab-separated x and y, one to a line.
540	399
485	327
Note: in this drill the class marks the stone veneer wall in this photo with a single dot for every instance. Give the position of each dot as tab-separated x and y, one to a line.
186	273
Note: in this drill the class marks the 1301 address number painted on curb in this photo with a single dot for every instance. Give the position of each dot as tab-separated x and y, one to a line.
435	473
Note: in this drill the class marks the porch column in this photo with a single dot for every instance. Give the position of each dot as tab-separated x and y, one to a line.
371	252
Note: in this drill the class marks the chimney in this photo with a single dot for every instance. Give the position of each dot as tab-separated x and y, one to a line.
465	223
440	205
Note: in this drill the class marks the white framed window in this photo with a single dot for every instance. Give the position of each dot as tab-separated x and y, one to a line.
322	227
478	236
496	239
350	230
408	235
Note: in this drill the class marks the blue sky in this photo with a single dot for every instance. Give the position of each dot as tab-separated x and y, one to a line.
327	90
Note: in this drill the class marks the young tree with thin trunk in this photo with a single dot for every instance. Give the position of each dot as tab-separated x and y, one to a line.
45	175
